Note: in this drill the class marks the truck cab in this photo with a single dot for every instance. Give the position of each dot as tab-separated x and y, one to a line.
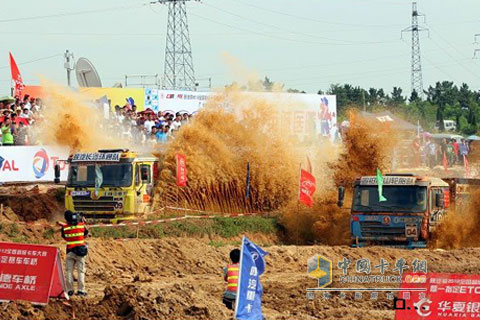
111	185
413	207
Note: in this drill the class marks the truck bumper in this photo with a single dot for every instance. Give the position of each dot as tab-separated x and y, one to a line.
394	243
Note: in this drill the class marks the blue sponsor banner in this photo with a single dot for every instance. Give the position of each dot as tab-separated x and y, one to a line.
248	304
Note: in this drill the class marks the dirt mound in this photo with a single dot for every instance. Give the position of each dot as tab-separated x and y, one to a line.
31	203
181	278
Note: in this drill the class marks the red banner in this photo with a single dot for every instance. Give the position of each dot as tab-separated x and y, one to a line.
30	272
16	77
181	170
307	187
445	296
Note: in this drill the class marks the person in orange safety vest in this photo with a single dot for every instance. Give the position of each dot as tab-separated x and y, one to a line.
231	277
74	233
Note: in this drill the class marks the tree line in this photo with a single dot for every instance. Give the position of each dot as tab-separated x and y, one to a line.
444	101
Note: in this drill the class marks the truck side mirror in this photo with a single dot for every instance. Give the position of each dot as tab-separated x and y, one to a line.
438	200
341	196
144	173
57	173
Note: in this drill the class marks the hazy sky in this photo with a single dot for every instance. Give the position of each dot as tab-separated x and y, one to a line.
306	44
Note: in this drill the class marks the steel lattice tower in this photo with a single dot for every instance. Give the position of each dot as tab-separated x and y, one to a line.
417	81
178	73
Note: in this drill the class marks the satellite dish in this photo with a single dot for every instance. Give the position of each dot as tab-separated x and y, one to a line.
87	75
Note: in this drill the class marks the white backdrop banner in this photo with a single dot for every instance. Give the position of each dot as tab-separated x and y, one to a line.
31	163
306	115
173	100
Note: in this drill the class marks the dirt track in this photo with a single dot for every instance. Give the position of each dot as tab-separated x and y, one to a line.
181	278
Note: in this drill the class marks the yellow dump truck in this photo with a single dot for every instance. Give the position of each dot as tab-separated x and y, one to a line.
113	185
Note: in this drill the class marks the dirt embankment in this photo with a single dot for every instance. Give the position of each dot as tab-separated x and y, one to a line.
181	278
31	203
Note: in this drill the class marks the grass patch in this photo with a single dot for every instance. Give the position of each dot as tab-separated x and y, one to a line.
13	231
222	227
217	244
49	233
228	227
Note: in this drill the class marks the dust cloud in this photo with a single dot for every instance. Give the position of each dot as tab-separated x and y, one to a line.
366	148
460	227
233	129
69	121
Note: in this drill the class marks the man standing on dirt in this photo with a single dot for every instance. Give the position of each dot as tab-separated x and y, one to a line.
231	277
74	232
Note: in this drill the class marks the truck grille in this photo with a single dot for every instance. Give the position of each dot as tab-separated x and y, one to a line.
83	203
377	229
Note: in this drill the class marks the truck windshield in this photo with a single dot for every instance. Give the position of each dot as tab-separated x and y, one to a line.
399	199
111	175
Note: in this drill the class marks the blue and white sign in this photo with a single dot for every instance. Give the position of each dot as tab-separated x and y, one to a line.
248	305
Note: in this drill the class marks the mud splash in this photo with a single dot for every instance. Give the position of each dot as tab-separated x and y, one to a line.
366	148
460	228
70	121
232	130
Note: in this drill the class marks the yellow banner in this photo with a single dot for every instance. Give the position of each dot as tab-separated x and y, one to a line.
117	96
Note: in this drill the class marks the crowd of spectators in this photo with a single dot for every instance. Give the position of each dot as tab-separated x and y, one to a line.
147	127
18	116
446	152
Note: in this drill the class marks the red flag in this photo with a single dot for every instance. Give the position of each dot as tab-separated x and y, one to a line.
181	170
467	167
445	162
307	187
16	77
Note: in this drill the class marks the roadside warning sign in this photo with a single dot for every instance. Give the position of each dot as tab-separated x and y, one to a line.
444	296
30	272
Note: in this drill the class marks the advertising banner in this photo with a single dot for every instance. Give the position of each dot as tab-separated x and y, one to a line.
30	273
306	115
307	187
176	101
181	170
31	163
117	96
438	296
248	305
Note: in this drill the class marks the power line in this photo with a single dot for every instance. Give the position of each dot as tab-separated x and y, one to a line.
361	61
294	32
35	60
279	37
444	50
304	18
68	14
376	73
